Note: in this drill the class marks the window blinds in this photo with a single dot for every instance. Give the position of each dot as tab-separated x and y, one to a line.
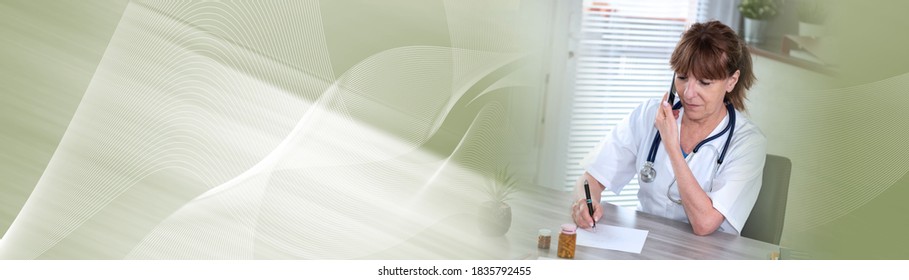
623	60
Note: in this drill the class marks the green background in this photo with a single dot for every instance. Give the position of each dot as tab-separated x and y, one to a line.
49	51
854	131
237	130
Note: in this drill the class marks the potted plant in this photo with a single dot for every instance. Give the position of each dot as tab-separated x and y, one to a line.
495	214
812	14
756	13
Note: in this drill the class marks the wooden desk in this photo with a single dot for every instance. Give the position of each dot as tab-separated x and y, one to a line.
667	239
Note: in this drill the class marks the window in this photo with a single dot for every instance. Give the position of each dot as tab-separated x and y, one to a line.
623	59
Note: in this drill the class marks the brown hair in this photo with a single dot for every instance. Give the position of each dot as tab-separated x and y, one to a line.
713	51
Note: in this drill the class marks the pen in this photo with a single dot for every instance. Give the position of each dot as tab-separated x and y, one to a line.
589	203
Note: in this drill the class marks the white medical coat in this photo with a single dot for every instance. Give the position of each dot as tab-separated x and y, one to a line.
733	190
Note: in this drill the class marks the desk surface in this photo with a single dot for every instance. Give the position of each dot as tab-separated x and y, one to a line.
667	239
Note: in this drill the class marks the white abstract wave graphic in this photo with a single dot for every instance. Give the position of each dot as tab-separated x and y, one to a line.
203	137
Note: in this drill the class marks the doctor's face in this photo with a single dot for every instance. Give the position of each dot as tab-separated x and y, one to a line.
703	98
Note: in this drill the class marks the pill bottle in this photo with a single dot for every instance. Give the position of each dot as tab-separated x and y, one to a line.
567	241
544	239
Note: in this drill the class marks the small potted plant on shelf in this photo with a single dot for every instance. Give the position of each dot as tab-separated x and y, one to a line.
757	13
812	14
495	214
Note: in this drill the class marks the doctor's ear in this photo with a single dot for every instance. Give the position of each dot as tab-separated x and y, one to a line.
730	83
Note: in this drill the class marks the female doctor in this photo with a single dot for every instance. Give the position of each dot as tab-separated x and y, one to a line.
698	160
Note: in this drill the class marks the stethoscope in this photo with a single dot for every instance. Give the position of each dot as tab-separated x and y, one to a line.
647	173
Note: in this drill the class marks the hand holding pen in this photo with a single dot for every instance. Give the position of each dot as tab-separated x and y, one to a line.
585	214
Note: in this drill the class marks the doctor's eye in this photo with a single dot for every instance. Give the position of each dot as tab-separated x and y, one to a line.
705	82
681	78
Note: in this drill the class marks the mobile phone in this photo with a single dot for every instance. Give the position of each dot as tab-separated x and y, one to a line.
671	98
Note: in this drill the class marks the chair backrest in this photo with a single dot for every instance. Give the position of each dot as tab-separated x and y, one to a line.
766	220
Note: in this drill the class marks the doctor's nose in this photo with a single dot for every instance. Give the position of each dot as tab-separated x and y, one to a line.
688	88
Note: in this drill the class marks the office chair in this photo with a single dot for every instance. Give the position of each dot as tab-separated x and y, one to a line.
766	220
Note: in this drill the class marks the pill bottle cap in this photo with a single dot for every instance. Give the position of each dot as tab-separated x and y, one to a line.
569	228
545	232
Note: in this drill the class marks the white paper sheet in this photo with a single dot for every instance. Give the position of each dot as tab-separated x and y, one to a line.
613	238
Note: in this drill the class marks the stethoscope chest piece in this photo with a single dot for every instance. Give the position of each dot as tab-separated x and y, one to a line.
647	172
